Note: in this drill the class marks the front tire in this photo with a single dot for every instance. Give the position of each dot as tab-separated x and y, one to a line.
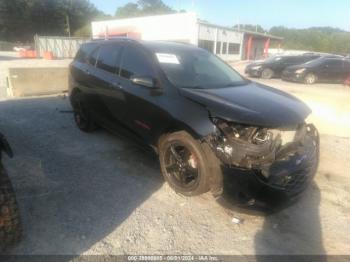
82	116
310	79
267	73
10	224
189	166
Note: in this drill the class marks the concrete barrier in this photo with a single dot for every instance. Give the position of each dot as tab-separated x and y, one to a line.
37	81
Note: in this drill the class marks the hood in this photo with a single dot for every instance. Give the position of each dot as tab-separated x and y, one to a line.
257	63
251	104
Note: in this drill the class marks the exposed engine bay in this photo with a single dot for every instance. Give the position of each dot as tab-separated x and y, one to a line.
279	157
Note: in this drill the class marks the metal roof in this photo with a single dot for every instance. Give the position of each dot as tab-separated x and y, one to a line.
241	30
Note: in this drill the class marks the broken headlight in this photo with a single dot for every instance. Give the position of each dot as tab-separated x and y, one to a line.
254	135
250	146
242	145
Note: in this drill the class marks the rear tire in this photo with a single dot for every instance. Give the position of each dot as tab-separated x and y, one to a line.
202	170
10	224
82	115
310	79
267	73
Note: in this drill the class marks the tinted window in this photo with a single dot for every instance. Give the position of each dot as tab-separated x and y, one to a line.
108	58
198	69
316	62
295	59
135	63
93	57
334	63
273	59
347	65
84	52
310	58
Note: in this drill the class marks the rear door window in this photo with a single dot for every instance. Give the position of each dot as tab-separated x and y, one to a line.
84	52
92	60
347	66
293	60
109	58
334	63
135	63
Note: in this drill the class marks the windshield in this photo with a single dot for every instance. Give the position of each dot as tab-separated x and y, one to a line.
196	68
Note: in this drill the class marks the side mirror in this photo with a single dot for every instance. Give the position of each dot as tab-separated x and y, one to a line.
143	81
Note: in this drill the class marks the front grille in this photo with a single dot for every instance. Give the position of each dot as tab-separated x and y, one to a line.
293	173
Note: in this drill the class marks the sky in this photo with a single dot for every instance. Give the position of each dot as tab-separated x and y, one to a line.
267	13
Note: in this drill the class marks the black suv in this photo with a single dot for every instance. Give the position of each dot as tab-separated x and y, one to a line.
273	66
198	114
324	69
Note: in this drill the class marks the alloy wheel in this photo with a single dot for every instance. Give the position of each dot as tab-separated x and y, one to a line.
181	165
310	79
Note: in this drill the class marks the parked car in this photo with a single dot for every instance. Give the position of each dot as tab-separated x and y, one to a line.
325	69
10	224
273	66
197	113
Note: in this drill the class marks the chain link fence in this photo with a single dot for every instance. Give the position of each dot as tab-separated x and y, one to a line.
61	47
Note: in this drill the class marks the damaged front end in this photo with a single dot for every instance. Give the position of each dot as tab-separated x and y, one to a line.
283	159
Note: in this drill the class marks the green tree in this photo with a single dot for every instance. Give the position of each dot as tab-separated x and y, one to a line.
143	8
319	39
250	27
128	10
20	20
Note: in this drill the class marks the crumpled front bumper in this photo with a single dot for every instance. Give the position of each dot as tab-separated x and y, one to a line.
292	76
253	72
285	178
292	174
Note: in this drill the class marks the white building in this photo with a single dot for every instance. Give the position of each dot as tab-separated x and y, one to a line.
227	43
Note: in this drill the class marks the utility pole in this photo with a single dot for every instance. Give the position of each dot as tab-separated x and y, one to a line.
68	18
68	24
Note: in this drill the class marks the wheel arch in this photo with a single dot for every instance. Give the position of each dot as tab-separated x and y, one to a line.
73	92
172	128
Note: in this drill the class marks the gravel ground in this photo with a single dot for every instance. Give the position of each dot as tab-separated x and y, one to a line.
99	194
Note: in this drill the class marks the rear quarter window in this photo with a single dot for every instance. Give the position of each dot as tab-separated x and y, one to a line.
84	52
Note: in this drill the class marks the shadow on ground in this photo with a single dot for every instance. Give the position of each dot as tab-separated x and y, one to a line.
298	227
73	188
289	228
